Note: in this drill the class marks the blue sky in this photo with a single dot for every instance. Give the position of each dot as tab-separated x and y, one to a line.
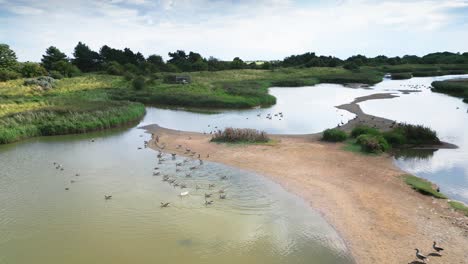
262	29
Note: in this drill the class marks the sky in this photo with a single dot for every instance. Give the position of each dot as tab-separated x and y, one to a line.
252	30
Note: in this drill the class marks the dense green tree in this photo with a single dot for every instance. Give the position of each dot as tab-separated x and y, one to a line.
32	69
237	63
86	59
52	57
8	58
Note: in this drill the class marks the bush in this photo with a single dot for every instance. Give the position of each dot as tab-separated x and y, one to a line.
32	69
234	135
139	83
128	76
6	74
114	68
417	134
44	82
395	137
56	75
372	143
401	76
289	83
351	66
360	130
334	135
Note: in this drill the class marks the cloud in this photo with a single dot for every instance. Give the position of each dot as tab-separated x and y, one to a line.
226	29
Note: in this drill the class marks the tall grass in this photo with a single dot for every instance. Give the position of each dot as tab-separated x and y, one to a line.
458	88
240	135
422	186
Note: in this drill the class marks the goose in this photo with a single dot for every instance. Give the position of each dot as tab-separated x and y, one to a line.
420	256
179	146
156	173
436	248
208	195
176	184
184	193
222	196
178	164
224	177
221	191
207	155
156	168
173	156
107	197
201	161
193	168
188	175
208	202
165	204
211	185
183	186
77	174
66	189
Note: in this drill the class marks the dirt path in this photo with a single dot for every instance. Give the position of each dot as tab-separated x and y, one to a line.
380	217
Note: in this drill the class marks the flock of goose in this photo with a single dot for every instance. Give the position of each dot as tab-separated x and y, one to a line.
185	167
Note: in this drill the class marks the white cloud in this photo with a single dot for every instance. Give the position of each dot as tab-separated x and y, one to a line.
263	30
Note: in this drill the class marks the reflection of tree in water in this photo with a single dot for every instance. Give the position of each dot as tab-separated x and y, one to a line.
414	154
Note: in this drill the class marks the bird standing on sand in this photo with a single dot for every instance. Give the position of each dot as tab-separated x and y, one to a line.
420	256
436	248
107	197
165	204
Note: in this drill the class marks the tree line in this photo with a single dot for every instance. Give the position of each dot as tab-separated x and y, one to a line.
127	62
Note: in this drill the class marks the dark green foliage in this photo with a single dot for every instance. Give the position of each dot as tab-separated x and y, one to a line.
417	134
368	77
458	206
66	69
360	130
372	143
395	137
309	59
7	74
334	135
351	66
59	120
31	69
237	63
289	83
401	76
240	135
114	68
52	57
139	83
422	186
8	58
458	88
56	75
86	59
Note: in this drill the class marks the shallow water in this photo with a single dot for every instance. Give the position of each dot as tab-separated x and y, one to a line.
41	222
311	110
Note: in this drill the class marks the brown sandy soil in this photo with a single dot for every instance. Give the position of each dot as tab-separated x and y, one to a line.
362	196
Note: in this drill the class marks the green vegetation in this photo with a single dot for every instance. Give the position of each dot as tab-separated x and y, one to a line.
422	186
240	135
372	140
334	135
401	76
458	88
372	143
459	207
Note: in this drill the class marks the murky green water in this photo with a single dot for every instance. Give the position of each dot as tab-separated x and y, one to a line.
41	222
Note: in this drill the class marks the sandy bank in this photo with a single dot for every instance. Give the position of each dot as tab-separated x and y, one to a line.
364	197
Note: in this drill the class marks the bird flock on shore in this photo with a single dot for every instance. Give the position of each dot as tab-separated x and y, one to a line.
424	258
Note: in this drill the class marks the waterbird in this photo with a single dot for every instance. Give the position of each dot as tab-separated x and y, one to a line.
188	175
208	202
211	185
224	177
72	181
193	168
420	256
436	248
156	173
201	161
184	193
77	174
66	189
208	195
222	196
173	156
221	191
165	204
107	197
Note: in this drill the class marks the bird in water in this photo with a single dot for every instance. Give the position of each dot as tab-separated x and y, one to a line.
107	197
420	256
165	204
436	248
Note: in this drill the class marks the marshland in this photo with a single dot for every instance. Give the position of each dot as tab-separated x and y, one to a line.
123	141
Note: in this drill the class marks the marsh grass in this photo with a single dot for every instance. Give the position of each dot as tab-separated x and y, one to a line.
457	88
240	135
422	186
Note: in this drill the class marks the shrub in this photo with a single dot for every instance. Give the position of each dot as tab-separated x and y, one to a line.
401	76
351	66
417	134
128	76
139	83
334	135
360	130
372	143
422	186
395	137
289	83
32	69
234	135
6	74
114	68
56	75
44	82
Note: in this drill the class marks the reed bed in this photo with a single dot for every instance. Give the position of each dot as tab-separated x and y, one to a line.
240	135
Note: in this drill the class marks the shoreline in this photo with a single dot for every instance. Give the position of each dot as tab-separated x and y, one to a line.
380	218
